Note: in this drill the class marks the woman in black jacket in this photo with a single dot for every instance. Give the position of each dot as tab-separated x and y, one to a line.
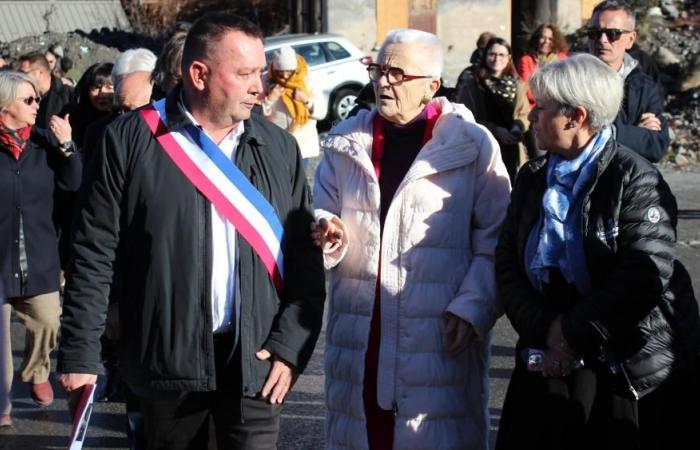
608	325
498	99
33	165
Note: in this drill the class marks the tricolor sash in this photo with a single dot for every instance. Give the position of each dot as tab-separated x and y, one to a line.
203	163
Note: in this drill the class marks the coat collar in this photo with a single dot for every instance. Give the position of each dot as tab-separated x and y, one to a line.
456	141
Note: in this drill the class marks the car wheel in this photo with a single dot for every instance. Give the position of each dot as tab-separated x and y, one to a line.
343	103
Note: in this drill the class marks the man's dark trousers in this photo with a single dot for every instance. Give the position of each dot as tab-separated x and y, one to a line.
182	421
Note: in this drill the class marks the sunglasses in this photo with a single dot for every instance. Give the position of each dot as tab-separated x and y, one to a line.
612	34
29	100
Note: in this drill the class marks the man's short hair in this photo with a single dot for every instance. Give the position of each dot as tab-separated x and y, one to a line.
36	58
208	30
616	5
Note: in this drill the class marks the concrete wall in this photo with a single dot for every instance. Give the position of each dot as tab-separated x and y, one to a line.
354	19
459	24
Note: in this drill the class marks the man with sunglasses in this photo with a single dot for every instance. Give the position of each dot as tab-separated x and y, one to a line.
639	124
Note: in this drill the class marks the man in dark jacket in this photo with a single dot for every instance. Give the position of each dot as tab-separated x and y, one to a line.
640	124
55	95
204	329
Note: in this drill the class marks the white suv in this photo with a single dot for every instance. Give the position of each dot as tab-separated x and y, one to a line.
335	67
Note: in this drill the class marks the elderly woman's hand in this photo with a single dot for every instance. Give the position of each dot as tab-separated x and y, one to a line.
458	334
60	128
327	234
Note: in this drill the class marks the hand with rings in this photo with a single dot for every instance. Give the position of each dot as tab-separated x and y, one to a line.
60	127
556	363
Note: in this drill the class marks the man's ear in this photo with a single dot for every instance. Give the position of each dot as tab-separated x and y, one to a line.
632	37
199	74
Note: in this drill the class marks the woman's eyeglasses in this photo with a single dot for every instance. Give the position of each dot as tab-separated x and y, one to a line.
29	100
394	75
612	34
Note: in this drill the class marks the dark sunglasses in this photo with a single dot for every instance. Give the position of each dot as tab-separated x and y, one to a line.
612	34
29	100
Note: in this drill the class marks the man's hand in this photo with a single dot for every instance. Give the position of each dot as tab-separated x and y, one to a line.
649	121
280	379
458	334
72	381
327	234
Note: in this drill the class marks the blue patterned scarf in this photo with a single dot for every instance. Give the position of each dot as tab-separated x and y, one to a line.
557	241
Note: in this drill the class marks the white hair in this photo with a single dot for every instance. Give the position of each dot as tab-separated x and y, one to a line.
581	80
134	60
430	52
10	81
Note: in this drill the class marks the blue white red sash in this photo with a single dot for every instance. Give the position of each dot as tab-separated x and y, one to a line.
224	185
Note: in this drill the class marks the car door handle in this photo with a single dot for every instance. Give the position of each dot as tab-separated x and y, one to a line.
330	72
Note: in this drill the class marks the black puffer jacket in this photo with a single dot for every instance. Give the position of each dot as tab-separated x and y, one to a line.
138	213
641	295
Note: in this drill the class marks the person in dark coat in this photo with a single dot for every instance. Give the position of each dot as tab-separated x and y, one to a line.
206	330
607	321
34	163
55	95
498	98
640	124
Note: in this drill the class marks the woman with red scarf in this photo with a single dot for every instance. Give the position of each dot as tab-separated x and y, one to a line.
33	163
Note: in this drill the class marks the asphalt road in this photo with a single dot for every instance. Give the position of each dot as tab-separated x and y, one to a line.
302	423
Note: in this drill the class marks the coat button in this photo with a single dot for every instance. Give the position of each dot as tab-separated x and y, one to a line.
16	275
17	171
18	207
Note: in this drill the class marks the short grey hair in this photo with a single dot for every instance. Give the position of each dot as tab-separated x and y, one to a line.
616	5
581	80
10	80
133	60
431	48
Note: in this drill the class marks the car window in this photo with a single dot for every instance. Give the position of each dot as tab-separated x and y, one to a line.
312	53
336	50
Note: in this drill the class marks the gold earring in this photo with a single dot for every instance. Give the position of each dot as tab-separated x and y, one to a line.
426	98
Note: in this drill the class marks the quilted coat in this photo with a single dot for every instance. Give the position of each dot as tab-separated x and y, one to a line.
437	256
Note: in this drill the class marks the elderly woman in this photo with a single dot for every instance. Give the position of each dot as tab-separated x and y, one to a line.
608	325
291	102
498	99
410	199
33	163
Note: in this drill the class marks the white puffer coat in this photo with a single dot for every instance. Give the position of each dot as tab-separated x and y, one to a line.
436	256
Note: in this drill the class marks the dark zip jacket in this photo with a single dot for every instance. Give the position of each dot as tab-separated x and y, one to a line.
641	96
136	209
641	295
28	248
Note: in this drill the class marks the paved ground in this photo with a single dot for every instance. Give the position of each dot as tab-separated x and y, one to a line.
302	425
